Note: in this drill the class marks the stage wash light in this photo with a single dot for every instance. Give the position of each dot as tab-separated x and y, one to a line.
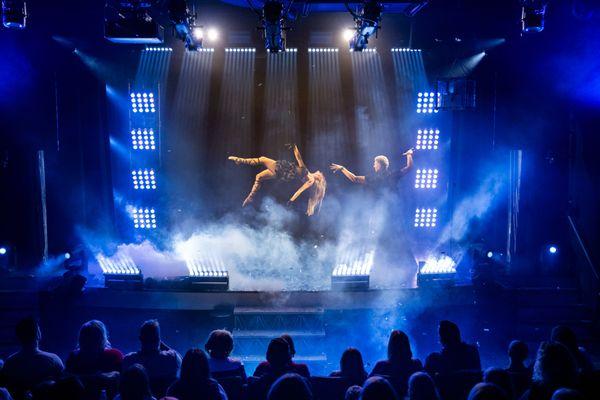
427	139
143	179
367	20
437	270
426	178
143	139
353	270
425	217
428	102
120	272
142	102
143	217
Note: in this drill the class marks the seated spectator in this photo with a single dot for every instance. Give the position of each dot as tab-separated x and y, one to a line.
378	388
501	378
352	367
487	391
94	354
69	387
134	384
290	387
422	387
565	336
4	395
160	362
554	368
194	382
518	353
400	364
455	355
219	346
567	394
353	393
266	368
29	366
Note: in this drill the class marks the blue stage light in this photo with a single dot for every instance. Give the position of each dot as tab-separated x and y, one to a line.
427	139
143	139
144	218
143	179
426	178
490	254
67	256
3	251
143	102
552	249
428	102
425	217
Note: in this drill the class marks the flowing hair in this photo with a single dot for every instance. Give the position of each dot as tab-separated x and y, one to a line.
317	193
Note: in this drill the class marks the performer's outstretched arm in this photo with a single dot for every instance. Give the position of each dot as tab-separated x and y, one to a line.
360	179
409	161
305	186
297	155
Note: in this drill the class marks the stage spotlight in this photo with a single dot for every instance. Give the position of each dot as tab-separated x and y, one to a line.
206	274
3	251
427	139
144	217
67	256
352	273
367	19
142	102
533	13
131	22
143	139
552	249
348	34
143	179
425	217
198	33
212	34
490	254
184	22
426	178
427	102
439	271
14	14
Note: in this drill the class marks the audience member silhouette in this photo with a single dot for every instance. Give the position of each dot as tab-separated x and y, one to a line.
565	336
94	354
567	394
290	387
352	367
69	387
29	366
219	346
301	369
456	355
5	395
353	392
378	388
487	391
422	387
134	384
554	368
400	364
195	382
501	378
518	353
161	363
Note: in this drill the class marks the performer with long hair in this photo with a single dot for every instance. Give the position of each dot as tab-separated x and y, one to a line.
382	176
287	171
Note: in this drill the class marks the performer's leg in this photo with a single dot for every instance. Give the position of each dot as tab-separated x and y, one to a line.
260	177
268	163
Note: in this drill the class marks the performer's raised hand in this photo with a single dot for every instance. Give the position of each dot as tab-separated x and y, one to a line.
409	152
290	146
336	167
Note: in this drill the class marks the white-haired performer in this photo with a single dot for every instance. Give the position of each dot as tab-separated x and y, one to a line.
382	176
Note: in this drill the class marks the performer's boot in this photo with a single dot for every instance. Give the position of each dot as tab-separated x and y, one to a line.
250	196
247	161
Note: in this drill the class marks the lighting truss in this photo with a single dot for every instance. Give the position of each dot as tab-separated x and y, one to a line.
404	50
322	50
367	21
131	22
143	139
143	179
426	217
143	102
273	23
14	14
143	217
533	13
426	178
427	102
427	139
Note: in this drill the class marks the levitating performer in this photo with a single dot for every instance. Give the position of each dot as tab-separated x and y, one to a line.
382	175
287	171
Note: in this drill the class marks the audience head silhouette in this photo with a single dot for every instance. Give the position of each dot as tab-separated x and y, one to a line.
487	391
518	351
499	377
378	388
399	347
194	366
351	364
422	387
219	344
28	332
150	335
93	337
353	392
134	384
288	339
290	387
554	366
565	336
449	333
278	354
567	394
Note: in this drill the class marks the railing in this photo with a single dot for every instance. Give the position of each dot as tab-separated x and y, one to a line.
587	273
